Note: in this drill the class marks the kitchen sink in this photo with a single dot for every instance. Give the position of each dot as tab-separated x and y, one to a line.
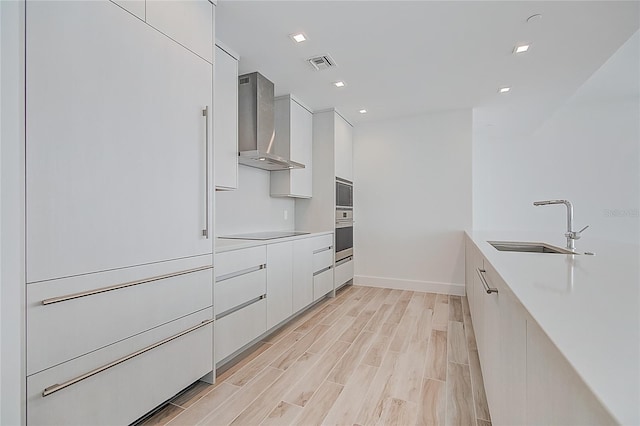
528	247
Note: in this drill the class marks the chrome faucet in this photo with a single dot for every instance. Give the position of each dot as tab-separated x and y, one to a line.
571	235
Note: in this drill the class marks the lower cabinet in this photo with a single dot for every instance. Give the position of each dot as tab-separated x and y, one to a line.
322	256
259	288
555	392
302	273
121	382
279	282
527	380
239	328
501	337
322	282
344	271
239	298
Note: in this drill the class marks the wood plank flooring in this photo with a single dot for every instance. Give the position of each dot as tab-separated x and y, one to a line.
369	356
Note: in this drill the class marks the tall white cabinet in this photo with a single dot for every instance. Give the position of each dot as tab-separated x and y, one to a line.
226	119
118	206
116	145
332	157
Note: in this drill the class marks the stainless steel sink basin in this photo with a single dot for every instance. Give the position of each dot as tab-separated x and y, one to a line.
529	247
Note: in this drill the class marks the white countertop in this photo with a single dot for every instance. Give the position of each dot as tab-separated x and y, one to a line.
589	306
224	244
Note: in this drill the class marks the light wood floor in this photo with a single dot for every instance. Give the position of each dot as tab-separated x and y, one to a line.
368	356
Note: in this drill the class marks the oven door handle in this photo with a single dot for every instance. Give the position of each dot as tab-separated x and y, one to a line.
345	224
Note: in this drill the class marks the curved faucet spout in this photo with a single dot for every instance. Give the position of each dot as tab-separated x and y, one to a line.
571	235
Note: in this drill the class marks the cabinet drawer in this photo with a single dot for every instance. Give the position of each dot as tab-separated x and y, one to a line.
238	290
344	272
322	283
69	317
239	328
127	390
323	241
322	259
231	262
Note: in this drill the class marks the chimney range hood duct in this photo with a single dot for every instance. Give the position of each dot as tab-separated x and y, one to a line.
256	125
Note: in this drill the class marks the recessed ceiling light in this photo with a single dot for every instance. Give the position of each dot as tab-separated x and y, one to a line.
339	84
262	159
363	111
504	89
521	48
298	37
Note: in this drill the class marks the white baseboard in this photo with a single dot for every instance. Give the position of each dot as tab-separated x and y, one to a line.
411	285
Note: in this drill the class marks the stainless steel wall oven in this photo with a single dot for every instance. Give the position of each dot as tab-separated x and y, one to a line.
344	194
344	234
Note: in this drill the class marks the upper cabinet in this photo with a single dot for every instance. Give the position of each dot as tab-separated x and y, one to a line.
343	148
189	22
294	133
225	139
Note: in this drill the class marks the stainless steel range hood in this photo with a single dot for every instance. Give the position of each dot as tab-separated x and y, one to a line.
256	125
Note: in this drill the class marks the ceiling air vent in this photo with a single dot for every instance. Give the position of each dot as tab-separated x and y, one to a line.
322	62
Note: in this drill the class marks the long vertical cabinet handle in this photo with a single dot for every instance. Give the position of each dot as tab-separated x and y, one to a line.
205	114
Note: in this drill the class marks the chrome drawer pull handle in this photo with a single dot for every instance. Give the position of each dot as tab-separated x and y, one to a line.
322	250
488	289
343	261
55	388
240	273
123	285
322	270
240	306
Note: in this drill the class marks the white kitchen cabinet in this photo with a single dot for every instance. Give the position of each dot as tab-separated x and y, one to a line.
225	140
501	348
239	328
61	311
310	255
344	271
344	148
294	134
235	291
116	141
134	376
322	282
555	392
118	184
332	157
188	22
239	299
279	282
302	274
527	380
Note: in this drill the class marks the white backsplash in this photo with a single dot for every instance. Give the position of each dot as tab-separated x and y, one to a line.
250	208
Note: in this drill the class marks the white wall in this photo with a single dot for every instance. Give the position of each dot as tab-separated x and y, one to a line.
250	208
412	201
588	152
12	302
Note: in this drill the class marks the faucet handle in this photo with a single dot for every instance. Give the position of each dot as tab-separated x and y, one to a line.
575	235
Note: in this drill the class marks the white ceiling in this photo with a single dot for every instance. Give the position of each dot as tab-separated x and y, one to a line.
410	57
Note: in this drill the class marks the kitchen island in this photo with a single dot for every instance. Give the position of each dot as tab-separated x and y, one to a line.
588	307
